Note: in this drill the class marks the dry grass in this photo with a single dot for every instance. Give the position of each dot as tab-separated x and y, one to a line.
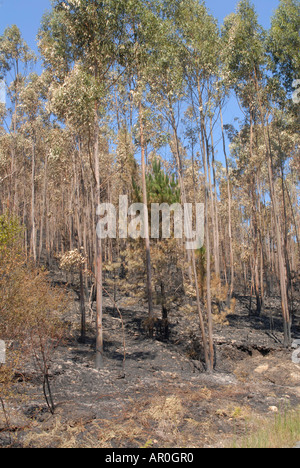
60	435
168	409
159	421
173	417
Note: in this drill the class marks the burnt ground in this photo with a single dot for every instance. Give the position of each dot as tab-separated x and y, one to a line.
161	397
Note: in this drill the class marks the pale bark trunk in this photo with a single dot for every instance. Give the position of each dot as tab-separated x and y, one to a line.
146	221
33	224
207	344
208	248
280	249
43	207
99	272
232	272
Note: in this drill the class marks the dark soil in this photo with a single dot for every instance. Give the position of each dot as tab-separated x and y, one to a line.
159	396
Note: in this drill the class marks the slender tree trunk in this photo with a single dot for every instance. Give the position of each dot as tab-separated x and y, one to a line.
33	225
208	248
232	272
212	209
99	269
82	307
165	318
296	224
43	207
280	252
281	264
216	213
146	221
261	248
208	353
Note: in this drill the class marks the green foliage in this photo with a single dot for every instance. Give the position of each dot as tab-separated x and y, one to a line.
281	431
200	35
82	31
244	51
161	188
284	43
10	232
74	102
13	51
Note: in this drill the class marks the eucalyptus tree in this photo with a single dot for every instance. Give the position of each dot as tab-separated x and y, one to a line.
15	60
87	34
199	35
229	196
284	43
246	76
33	127
142	43
168	90
245	68
163	189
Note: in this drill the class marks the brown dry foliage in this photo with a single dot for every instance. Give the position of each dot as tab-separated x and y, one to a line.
30	310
